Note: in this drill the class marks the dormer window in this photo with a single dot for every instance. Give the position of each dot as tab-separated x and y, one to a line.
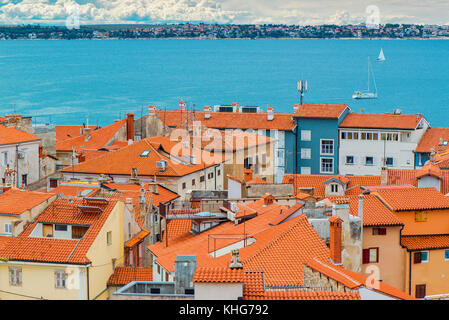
334	188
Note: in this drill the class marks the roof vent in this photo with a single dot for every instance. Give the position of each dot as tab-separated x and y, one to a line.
397	111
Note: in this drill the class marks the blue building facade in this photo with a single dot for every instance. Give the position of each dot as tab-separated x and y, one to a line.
316	138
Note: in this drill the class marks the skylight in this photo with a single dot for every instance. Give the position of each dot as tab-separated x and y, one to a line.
145	153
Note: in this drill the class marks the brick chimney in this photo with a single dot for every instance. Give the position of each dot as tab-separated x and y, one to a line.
152	110
182	105
248	174
270	113
207	110
130	126
268	199
41	151
335	238
81	156
295	107
236	263
383	176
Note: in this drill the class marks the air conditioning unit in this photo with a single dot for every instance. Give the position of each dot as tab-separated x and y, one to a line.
162	164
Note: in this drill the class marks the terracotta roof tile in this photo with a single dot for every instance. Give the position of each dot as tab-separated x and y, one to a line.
64	132
320	110
381	121
413	199
124	160
12	135
230	120
426	242
74	190
138	238
218	275
124	275
431	138
304	295
15	201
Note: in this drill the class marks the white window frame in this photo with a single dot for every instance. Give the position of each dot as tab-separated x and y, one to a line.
428	254
306	153
61	279
306	135
444	255
348	163
369	165
8	227
308	169
321	147
321	167
389	165
334	186
15	276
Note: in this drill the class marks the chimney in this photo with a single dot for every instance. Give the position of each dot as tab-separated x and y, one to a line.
295	107
86	132
41	148
236	263
270	113
248	174
152	110
383	176
81	156
153	187
236	105
432	154
182	105
335	228
440	146
207	110
267	199
130	126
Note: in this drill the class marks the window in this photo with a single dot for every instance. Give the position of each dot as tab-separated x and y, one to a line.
218	172
306	135
193	182
247	163
60	227
109	238
421	256
334	187
202	179
145	153
5	158
420	216
183	185
8	228
327	146
446	254
306	153
60	279
327	165
129	229
369	161
349	159
305	170
379	231
371	255
24	179
420	291
15	276
53	183
210	175
389	161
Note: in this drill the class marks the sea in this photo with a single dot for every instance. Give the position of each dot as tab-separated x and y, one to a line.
99	81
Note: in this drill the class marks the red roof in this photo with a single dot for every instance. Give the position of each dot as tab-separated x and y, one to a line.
439	241
16	201
64	132
431	138
381	121
304	295
229	120
12	135
124	160
320	110
124	275
218	274
99	138
413	199
55	250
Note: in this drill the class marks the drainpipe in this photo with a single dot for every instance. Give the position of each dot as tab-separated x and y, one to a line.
296	149
17	165
410	273
88	298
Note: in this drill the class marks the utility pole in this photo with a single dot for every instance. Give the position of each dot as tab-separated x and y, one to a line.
302	88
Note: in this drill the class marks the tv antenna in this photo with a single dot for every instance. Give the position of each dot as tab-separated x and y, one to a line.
302	88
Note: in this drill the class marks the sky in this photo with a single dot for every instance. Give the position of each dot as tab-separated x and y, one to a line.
302	12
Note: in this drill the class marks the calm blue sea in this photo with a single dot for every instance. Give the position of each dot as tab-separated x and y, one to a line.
64	81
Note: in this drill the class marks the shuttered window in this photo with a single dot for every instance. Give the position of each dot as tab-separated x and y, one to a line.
15	276
420	291
60	279
370	255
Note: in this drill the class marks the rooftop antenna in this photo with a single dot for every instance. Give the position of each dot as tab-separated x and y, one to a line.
302	88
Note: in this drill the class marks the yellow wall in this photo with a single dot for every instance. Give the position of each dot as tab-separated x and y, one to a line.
391	256
437	222
434	273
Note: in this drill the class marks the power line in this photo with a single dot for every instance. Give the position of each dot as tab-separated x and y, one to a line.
23	295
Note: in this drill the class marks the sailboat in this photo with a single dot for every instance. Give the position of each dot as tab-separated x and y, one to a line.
366	94
381	57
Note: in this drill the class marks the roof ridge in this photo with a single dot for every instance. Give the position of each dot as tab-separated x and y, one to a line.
337	271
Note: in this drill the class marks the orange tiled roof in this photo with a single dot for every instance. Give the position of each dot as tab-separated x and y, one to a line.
124	160
218	274
54	250
139	237
73	191
230	120
15	201
381	121
320	110
413	199
124	275
12	135
429	169
64	132
286	213
375	213
256	181
99	138
304	295
431	138
439	241
316	181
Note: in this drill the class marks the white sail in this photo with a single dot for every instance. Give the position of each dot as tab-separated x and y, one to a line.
381	56
367	94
